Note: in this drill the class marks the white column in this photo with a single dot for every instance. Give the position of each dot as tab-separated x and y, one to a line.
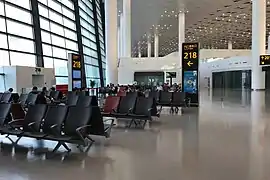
149	47
127	27
181	33
258	43
139	50
119	41
156	44
268	50
122	35
230	45
111	41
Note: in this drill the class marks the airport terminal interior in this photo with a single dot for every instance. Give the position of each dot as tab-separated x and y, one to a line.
134	89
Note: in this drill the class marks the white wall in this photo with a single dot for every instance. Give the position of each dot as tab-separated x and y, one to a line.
19	77
228	64
128	66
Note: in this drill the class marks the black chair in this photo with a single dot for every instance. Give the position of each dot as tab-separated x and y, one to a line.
1	95
6	97
178	100
142	112
75	131
4	112
98	126
84	101
31	123
54	95
15	97
22	99
126	106
31	99
72	100
165	99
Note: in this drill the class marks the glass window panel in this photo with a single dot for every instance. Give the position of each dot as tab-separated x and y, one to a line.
60	67
61	80
68	13
19	29
70	34
59	52
48	62
54	5
59	41
44	24
47	50
71	45
57	29
43	1
43	11
46	37
22	3
2	11
21	44
70	24
56	17
22	59
2	25
4	57
18	14
69	4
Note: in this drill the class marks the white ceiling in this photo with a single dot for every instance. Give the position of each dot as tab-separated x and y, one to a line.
211	22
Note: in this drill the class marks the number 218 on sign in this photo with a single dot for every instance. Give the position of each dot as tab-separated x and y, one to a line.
190	55
77	64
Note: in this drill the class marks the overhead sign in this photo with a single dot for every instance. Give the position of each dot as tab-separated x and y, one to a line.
190	56
75	71
264	59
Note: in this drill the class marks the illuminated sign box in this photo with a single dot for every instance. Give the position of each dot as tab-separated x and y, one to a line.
265	60
190	56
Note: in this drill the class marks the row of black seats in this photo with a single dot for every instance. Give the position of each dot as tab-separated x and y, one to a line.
138	109
65	124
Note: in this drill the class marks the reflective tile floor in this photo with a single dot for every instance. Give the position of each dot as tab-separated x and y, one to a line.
227	138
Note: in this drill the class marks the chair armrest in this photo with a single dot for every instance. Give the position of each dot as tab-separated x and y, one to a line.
130	110
111	119
11	123
150	109
81	135
114	110
30	125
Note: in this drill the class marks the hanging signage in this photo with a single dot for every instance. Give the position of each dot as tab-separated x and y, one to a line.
75	72
190	67
264	60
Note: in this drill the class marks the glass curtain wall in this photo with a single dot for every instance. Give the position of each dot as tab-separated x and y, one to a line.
101	39
89	42
16	34
58	36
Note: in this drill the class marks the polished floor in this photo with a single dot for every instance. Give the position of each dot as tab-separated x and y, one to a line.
227	138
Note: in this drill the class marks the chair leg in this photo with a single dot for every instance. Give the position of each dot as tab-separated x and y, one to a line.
14	143
66	147
57	147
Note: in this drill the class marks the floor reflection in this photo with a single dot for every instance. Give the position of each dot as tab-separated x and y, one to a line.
228	137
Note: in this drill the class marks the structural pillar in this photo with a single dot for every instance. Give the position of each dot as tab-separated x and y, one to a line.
230	45
111	41
181	36
149	47
156	44
122	39
127	28
258	43
268	50
119	42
